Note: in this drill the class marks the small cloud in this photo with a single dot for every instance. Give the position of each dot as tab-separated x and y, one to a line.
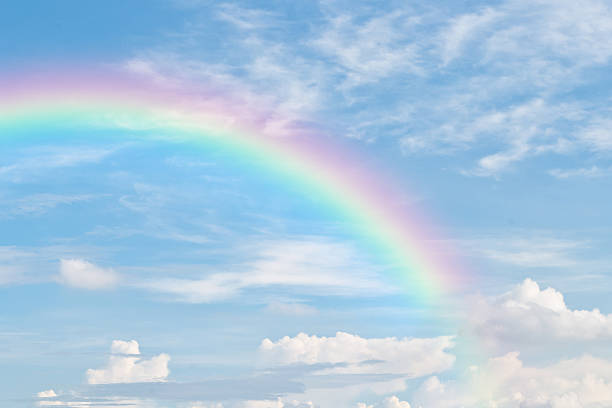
125	347
82	274
125	366
46	394
389	402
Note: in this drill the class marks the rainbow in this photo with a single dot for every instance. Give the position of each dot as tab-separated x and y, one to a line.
328	166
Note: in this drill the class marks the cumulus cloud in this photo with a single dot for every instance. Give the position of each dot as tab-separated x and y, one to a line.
528	312
277	403
505	381
46	394
126	366
389	402
411	357
82	274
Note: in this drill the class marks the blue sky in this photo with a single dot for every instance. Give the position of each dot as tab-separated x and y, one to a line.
136	271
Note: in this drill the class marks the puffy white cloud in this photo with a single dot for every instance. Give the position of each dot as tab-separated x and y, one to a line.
528	312
124	366
394	402
412	357
389	402
125	347
46	394
506	382
83	274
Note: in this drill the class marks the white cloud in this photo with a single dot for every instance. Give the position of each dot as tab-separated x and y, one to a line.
463	28
243	18
372	49
264	404
274	90
125	347
42	159
206	405
125	366
529	251
85	275
505	382
493	63
389	402
590	172
412	357
277	403
46	394
528	314
37	204
311	266
295	309
597	135
110	402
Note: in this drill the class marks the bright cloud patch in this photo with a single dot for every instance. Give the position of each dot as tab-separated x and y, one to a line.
124	366
529	312
410	357
85	275
278	403
310	266
506	382
46	394
390	402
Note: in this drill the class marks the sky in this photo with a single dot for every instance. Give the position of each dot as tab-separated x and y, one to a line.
434	232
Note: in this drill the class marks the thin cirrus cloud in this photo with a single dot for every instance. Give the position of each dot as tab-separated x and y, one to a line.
42	159
303	266
505	69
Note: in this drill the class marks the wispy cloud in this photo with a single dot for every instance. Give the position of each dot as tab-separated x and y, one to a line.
38	204
38	160
535	251
312	267
244	18
367	50
493	84
586	172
